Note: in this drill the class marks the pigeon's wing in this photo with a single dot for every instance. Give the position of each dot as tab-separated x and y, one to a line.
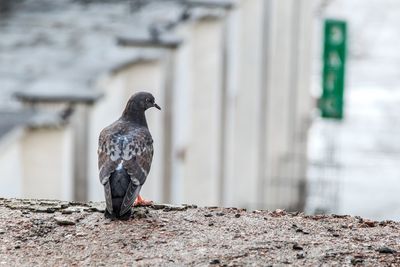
107	162
108	155
138	155
134	150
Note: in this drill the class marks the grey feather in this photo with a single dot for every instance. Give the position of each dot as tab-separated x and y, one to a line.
130	196
107	193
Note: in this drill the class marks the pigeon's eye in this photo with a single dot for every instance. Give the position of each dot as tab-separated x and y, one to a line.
148	100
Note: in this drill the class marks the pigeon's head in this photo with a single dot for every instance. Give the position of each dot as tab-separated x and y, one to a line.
140	102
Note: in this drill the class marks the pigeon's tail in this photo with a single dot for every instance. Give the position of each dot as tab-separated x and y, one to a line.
120	184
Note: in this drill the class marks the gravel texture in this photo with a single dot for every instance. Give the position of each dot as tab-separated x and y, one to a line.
54	233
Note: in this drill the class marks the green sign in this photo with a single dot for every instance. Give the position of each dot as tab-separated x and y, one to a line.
331	101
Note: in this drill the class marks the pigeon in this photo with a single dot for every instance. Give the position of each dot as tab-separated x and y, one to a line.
124	157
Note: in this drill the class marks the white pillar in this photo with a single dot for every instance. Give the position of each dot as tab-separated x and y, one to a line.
202	153
287	84
47	163
244	156
11	164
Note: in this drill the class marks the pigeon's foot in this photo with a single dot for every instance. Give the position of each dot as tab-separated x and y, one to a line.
142	202
113	216
125	216
109	215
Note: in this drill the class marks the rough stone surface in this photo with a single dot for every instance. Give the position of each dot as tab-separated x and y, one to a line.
33	233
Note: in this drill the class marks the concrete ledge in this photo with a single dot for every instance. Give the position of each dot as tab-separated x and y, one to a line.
55	233
167	43
225	4
135	61
86	97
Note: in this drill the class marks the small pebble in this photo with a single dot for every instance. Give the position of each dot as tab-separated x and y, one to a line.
66	211
386	250
297	247
64	221
216	261
50	210
356	261
300	255
299	230
80	234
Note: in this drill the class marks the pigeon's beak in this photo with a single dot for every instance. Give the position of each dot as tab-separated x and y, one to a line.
157	106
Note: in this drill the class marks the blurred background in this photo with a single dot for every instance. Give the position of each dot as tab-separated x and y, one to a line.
266	104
